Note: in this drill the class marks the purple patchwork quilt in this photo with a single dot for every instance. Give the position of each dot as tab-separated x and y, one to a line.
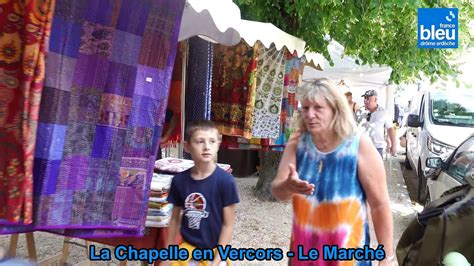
108	73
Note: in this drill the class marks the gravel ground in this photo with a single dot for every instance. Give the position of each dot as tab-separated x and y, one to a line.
259	224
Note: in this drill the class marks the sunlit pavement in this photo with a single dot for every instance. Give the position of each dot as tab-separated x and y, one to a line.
404	207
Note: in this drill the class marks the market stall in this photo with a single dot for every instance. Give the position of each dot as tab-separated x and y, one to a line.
107	90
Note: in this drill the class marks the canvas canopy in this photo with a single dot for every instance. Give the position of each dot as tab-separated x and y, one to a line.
219	21
267	33
213	20
353	77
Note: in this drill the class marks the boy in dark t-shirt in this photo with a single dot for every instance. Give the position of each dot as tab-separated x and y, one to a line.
204	196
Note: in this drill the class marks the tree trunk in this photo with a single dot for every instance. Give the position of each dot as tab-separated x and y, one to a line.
269	161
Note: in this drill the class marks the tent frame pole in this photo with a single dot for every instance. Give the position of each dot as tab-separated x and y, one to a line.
184	65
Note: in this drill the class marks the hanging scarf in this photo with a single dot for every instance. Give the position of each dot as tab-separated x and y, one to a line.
199	81
293	71
270	74
25	28
233	93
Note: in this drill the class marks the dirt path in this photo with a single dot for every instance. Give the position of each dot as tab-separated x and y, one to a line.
259	224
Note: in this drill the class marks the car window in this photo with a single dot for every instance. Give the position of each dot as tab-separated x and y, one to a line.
462	161
454	109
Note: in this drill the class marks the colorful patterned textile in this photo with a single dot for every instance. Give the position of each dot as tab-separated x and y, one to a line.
233	89
293	71
108	74
159	210
199	80
175	165
336	212
24	33
270	74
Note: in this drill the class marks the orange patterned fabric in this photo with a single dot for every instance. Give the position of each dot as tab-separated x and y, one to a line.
24	33
233	89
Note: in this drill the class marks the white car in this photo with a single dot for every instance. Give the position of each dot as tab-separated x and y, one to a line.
450	173
438	122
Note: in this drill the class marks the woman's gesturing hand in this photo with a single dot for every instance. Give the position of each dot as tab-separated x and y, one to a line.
296	185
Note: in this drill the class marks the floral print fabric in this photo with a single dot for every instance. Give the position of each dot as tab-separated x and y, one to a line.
270	74
233	89
24	33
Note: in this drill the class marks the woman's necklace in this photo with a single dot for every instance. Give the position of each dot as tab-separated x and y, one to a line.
329	146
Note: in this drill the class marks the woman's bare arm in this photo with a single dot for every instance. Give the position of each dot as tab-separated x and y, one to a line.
373	179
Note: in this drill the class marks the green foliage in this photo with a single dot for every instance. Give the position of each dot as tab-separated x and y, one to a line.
377	32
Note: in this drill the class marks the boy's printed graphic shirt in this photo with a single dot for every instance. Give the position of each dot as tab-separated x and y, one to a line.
195	210
203	202
336	212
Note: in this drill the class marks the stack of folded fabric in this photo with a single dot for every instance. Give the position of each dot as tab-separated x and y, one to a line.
159	210
175	165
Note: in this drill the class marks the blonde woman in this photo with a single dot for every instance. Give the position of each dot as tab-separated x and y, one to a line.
330	172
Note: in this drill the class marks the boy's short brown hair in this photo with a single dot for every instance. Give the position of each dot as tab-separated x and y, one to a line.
195	125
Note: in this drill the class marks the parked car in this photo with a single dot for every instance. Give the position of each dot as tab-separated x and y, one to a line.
452	172
438	122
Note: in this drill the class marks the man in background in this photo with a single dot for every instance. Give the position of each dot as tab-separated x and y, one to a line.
376	121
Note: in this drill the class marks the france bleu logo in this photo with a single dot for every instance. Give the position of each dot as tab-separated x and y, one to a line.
437	28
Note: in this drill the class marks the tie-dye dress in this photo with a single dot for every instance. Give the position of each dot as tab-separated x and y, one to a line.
336	212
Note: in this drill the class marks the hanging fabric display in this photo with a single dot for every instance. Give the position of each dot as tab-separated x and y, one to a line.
108	73
233	93
171	133
199	80
25	29
293	71
270	76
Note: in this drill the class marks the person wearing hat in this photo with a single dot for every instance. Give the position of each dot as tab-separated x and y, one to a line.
377	120
352	104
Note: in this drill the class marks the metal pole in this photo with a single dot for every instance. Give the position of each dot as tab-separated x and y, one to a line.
184	52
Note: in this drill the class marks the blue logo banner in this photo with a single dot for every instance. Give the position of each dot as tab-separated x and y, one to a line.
437	28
